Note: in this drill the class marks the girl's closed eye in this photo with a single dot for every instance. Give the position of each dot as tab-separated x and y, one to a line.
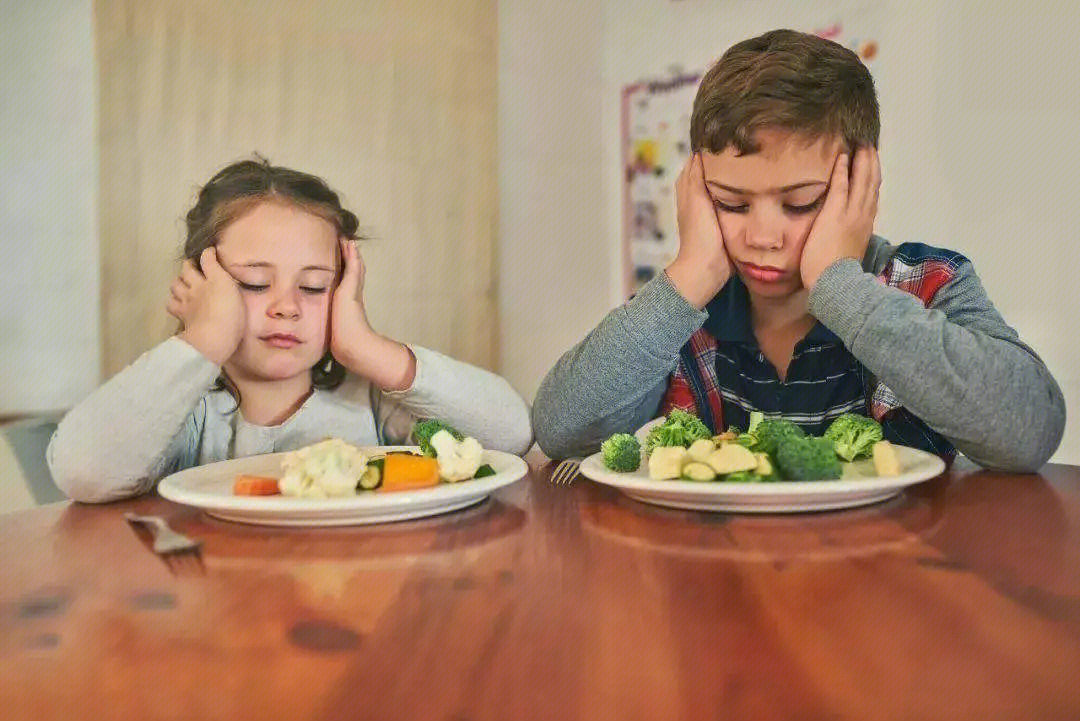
312	290
803	209
253	287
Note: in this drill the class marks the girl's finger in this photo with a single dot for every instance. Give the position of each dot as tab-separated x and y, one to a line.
209	262
190	274
350	275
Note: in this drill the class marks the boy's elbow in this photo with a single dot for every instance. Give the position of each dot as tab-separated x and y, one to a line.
1029	449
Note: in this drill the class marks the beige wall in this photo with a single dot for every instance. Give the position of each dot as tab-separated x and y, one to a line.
391	101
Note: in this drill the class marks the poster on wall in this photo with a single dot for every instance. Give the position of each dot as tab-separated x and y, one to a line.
656	143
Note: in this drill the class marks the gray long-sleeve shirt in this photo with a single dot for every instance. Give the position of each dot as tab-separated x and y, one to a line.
161	415
955	364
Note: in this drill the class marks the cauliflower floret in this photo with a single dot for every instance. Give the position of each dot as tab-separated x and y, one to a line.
323	470
458	460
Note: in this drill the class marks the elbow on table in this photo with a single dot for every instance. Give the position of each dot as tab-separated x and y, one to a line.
81	480
1030	449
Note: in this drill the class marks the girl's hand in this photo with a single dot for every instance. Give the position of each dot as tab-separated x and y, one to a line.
349	325
702	266
842	229
385	362
209	305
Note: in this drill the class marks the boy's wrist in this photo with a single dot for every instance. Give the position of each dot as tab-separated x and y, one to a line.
694	285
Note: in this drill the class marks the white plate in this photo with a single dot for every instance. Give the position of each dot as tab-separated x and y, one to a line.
859	487
209	487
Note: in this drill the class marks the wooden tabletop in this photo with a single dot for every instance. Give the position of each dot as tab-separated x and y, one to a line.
959	599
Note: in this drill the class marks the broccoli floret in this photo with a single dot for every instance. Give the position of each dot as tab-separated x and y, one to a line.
747	440
807	458
756	417
853	435
771	431
678	429
621	452
741	477
422	431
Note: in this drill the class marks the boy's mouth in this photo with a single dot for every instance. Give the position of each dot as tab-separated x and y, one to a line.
762	273
280	340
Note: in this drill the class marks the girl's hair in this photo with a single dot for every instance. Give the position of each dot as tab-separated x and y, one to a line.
785	79
237	189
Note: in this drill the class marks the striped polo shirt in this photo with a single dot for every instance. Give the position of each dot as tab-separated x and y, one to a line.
824	380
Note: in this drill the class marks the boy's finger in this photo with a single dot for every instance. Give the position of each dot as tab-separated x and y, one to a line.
860	180
875	181
836	196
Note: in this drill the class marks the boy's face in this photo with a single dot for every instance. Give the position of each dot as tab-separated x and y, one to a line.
766	204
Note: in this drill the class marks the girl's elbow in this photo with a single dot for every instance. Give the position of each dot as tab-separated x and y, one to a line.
82	482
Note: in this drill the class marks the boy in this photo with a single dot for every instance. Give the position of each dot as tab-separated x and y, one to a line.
781	300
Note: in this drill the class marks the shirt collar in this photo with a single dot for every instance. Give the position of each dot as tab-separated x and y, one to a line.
729	318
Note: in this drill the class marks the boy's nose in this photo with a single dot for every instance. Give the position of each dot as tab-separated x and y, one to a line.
763	233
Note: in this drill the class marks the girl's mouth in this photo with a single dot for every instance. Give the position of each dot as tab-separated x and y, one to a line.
280	340
762	273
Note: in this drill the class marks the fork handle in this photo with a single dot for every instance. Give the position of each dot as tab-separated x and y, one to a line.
163	535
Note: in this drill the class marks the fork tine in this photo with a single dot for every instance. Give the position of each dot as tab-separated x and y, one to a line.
565	472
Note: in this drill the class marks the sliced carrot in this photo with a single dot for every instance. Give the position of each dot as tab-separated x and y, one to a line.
255	486
404	471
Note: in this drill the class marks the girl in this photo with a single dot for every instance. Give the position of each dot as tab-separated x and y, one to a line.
275	352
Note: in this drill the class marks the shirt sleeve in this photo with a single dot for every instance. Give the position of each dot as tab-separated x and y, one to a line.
614	379
139	426
475	401
955	364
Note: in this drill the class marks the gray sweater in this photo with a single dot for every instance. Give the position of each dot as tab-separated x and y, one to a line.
955	364
160	415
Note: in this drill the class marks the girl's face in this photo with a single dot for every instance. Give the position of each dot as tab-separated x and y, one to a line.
285	261
766	203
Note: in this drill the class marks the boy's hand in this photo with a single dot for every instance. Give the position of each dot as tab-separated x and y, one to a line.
385	362
209	305
842	229
702	266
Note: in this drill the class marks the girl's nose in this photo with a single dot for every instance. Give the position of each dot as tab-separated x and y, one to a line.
285	306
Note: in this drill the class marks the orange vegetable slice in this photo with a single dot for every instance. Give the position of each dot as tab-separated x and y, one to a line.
404	472
255	486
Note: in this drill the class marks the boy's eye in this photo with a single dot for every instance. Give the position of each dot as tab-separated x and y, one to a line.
311	290
730	208
253	287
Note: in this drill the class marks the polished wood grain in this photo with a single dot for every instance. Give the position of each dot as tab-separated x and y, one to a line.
958	600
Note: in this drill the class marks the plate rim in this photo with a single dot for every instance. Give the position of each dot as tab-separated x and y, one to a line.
421	501
720	496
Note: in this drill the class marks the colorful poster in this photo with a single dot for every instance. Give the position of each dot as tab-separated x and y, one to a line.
656	143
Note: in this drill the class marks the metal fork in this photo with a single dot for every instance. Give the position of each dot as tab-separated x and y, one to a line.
170	545
566	472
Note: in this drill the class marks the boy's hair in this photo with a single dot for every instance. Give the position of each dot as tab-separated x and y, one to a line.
784	79
237	189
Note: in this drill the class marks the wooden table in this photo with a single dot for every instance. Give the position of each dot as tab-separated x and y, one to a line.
958	600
